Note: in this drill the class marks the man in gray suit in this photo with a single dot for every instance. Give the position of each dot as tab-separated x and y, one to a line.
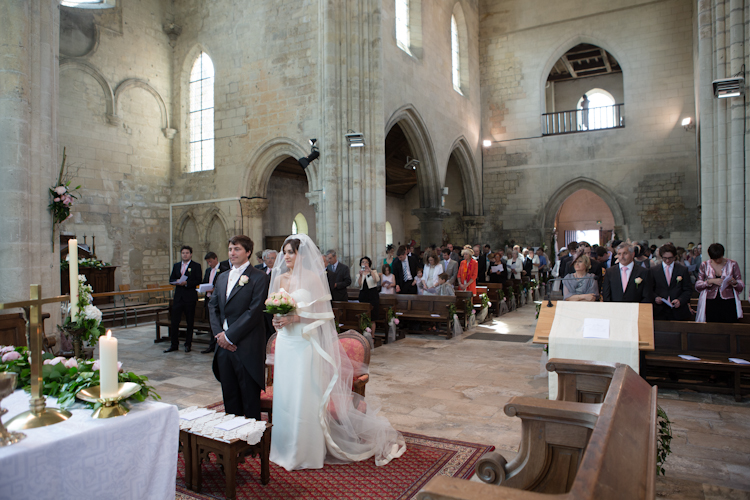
339	277
450	266
237	322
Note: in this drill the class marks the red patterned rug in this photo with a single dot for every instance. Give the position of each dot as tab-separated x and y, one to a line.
425	458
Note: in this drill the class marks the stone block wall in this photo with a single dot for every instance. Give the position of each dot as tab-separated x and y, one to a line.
524	173
113	103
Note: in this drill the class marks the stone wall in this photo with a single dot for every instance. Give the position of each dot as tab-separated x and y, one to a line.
526	175
113	121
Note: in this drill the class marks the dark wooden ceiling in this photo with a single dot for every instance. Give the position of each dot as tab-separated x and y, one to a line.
583	60
290	168
398	180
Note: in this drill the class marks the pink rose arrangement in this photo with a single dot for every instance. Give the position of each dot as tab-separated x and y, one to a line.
62	196
280	303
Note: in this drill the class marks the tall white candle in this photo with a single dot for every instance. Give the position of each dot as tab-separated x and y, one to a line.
108	365
73	273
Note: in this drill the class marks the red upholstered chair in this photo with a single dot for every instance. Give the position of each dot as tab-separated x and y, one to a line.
266	397
358	349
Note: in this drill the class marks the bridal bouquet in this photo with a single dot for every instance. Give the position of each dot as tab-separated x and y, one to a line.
280	303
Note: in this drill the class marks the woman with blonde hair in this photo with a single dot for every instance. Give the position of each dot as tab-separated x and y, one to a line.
467	272
581	285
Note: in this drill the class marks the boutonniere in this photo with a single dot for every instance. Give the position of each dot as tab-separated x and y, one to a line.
243	280
638	281
189	269
679	278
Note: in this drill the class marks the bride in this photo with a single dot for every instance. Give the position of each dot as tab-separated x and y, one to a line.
317	418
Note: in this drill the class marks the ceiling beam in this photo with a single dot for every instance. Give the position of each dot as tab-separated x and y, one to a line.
605	58
400	185
569	66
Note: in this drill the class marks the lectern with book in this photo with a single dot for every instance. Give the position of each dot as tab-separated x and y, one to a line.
595	331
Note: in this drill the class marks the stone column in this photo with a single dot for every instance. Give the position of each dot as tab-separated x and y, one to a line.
431	224
28	148
252	213
474	225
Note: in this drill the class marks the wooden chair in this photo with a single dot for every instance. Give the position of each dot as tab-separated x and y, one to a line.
358	349
13	331
266	396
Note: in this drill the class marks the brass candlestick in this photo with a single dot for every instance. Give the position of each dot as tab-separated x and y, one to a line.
39	415
110	407
7	384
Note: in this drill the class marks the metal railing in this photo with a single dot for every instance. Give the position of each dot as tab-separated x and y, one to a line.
579	120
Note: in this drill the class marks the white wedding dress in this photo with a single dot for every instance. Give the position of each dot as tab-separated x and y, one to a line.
317	419
297	438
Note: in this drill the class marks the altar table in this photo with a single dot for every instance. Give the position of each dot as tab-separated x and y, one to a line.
129	457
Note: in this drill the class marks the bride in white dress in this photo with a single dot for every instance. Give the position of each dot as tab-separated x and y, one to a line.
317	418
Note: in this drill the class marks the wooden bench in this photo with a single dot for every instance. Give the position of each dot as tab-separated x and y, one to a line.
13	331
387	301
745	310
713	343
132	305
201	324
348	314
493	292
573	450
424	308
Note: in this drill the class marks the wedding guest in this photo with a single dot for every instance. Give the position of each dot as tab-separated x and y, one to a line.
390	254
624	281
581	285
498	273
450	266
467	272
442	287
431	270
418	279
339	277
671	284
388	281
186	275
405	269
212	271
368	281
515	266
719	283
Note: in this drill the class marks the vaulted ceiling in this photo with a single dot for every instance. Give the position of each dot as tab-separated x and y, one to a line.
582	61
398	180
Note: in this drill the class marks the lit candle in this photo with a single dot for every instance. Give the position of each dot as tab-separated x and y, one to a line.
73	273
108	365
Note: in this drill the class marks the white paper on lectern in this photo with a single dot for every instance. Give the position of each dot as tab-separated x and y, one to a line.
595	328
205	287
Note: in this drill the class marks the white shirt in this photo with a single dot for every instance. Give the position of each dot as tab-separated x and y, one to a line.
234	277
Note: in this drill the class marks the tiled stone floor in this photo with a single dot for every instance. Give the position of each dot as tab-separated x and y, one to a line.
457	389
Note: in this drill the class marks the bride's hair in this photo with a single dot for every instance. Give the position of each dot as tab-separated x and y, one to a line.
291	241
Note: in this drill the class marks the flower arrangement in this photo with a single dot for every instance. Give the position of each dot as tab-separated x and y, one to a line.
391	317
87	325
64	378
485	300
62	195
280	303
452	311
94	263
365	323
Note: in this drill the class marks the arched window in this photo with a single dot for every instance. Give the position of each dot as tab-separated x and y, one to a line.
388	233
599	112
201	114
455	56
299	225
402	24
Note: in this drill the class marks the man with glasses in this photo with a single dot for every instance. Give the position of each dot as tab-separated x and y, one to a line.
672	287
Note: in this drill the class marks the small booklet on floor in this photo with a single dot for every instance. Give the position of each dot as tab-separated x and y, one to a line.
688	357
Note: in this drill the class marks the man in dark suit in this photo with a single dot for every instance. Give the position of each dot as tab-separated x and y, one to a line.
598	267
637	281
339	277
671	282
405	269
481	264
186	275
213	270
269	259
236	314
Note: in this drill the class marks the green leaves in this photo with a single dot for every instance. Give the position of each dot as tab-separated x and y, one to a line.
663	439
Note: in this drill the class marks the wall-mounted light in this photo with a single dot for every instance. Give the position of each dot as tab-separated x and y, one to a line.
729	87
688	123
486	143
314	155
411	163
355	139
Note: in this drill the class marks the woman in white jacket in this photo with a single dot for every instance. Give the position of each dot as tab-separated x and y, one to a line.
515	266
431	271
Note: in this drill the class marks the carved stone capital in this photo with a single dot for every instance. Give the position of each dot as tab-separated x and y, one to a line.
169	133
473	220
113	120
430	214
254	207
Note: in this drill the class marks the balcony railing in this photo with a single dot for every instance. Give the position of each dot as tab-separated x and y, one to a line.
578	120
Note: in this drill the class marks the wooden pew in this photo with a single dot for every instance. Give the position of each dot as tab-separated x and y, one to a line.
425	308
573	450
13	331
493	292
745	310
387	301
348	314
201	325
713	343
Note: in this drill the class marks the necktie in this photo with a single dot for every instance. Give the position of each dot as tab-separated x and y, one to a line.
407	272
624	277
668	273
184	267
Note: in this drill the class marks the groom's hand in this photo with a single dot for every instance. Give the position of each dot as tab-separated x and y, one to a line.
221	339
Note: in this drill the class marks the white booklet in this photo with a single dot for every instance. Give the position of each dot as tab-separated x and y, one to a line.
205	287
688	357
200	412
234	423
739	361
183	279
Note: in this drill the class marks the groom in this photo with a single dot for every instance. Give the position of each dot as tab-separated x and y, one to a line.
236	314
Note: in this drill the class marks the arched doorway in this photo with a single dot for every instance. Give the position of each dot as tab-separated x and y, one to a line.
584	216
401	191
286	202
454	229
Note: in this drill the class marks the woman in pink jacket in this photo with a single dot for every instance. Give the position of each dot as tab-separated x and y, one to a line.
720	284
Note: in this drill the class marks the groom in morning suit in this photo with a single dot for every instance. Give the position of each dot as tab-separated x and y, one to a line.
637	286
237	322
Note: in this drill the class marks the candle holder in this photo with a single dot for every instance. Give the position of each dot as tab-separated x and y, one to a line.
110	407
7	384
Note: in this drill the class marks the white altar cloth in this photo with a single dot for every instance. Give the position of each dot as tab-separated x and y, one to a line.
566	335
128	457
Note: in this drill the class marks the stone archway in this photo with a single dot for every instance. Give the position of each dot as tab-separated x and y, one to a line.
558	198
